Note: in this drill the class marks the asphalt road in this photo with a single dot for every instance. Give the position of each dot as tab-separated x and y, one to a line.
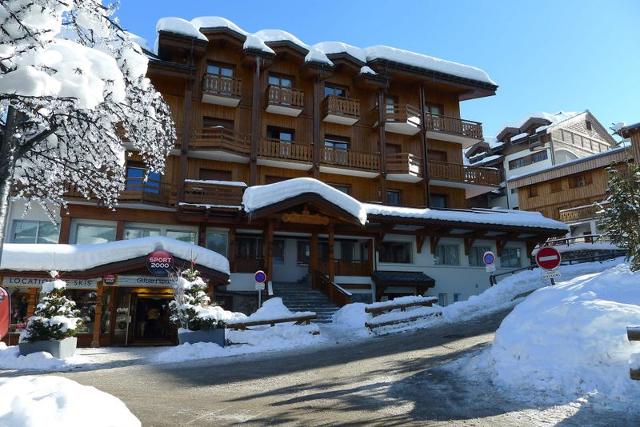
390	380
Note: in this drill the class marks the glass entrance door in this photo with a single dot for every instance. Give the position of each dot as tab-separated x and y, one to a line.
150	323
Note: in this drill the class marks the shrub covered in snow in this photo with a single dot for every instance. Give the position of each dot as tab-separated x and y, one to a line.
191	308
571	338
56	316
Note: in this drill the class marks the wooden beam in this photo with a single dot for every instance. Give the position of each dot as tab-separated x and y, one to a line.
424	149
419	242
65	226
433	241
313	256
331	241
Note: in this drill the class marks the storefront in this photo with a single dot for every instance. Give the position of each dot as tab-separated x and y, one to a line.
124	300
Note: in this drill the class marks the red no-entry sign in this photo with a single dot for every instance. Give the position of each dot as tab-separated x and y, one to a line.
548	258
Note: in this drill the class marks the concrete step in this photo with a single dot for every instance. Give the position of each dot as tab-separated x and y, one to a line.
300	297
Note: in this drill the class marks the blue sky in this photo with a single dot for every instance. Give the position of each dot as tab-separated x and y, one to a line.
546	55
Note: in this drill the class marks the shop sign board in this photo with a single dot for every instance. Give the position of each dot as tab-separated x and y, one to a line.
109	279
160	263
36	282
144	281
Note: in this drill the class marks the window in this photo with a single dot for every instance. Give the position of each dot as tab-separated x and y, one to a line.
218	241
396	252
581	180
135	232
136	180
439	200
281	134
556	185
443	299
249	247
447	255
220	70
435	119
475	255
510	258
390	104
437	155
347	250
589	125
437	109
538	156
183	235
278	251
394	197
457	297
336	142
87	233
85	302
393	148
281	81
214	175
346	189
23	231
533	191
334	90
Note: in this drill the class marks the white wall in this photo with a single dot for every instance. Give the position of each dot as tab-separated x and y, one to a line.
510	173
289	270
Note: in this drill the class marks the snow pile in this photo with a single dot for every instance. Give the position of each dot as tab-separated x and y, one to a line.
30	257
255	43
409	299
571	339
274	308
10	359
259	196
55	401
333	48
352	318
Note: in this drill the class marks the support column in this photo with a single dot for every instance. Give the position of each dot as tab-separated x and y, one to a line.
255	123
424	151
268	249
32	301
331	267
317	145
120	230
202	235
231	254
65	227
186	137
97	318
382	141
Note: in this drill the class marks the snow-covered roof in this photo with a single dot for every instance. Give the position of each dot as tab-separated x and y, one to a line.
519	136
551	118
63	257
487	159
319	52
260	196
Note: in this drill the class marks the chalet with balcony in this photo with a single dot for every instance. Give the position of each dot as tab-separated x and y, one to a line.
320	165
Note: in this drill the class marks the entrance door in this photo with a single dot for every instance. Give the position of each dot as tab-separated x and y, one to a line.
150	323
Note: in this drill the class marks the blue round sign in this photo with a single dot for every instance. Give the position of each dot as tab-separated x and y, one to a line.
260	276
488	258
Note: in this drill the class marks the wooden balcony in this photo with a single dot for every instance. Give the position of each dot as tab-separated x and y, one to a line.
198	192
285	154
405	167
220	143
348	162
221	90
462	176
137	190
581	213
285	101
453	129
402	118
343	111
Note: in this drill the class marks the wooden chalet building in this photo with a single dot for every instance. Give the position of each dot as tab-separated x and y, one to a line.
326	165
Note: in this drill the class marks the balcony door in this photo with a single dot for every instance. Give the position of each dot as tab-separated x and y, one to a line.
435	113
336	149
222	78
139	180
284	137
285	86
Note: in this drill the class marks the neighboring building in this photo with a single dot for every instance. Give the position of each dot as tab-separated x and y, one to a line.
633	133
569	192
538	142
364	140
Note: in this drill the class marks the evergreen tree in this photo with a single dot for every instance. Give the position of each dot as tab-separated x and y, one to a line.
56	316
191	307
620	215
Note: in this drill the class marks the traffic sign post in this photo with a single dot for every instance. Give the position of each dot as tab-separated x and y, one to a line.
489	260
260	277
548	258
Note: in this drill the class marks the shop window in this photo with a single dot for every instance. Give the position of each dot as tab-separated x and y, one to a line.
439	200
183	235
447	255
24	231
19	305
475	255
396	252
394	197
134	232
218	241
335	90
93	233
136	180
85	302
510	258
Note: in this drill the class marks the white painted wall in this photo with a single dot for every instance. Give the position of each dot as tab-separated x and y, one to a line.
289	270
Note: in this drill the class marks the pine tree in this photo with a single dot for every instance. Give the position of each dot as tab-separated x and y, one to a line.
620	215
191	306
56	316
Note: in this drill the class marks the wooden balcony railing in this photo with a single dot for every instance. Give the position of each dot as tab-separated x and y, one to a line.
404	163
579	213
220	138
453	125
349	268
285	97
277	149
221	86
349	159
204	193
340	106
402	113
337	295
137	190
461	173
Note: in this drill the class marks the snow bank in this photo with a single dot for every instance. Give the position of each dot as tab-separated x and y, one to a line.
571	339
259	196
274	308
352	318
55	401
11	359
29	257
401	300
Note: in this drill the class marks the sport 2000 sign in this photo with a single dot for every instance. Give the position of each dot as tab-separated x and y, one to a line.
160	263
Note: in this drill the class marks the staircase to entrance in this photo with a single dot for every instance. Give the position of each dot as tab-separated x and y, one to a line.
300	296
